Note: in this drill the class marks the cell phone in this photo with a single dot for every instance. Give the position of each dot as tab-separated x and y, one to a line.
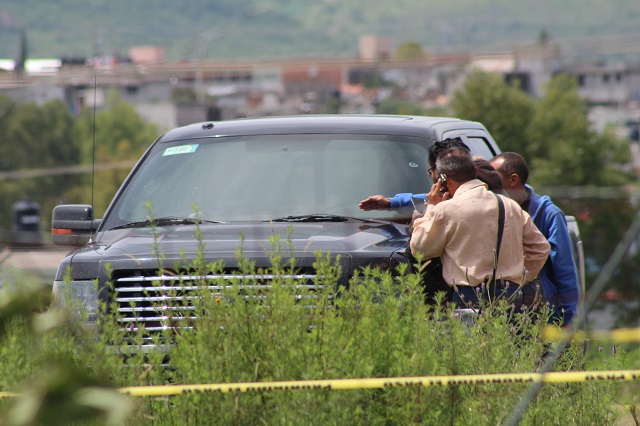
443	187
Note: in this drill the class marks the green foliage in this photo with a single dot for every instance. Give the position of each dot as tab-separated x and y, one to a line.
564	150
183	95
401	107
298	27
504	110
38	362
38	136
378	326
410	50
374	80
35	137
552	133
49	136
120	132
331	105
121	135
561	115
603	222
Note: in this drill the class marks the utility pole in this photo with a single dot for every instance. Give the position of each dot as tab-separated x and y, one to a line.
20	64
199	73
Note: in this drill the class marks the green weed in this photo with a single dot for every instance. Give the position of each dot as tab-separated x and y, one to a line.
244	331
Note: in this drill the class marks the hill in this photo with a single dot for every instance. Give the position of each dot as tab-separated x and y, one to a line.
290	28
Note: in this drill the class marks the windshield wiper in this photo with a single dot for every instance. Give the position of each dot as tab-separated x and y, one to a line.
312	218
164	221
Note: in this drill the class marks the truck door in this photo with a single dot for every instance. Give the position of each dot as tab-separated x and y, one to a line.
479	141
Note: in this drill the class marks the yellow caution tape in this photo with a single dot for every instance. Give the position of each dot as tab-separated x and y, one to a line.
620	335
5	395
379	383
376	383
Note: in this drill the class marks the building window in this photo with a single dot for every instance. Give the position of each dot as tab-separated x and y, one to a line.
605	78
581	80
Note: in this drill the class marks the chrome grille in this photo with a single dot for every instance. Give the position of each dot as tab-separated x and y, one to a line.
166	302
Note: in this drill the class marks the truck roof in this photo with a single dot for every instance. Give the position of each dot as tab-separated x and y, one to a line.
429	127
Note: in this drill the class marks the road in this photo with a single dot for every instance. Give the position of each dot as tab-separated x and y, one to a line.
30	266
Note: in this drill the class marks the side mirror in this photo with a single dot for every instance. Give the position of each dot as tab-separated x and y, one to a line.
73	224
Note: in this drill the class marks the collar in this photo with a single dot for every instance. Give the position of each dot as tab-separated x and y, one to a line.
469	185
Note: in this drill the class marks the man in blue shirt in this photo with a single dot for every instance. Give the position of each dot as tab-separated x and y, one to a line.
559	275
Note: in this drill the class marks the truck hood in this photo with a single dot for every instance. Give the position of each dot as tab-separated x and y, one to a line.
135	246
225	238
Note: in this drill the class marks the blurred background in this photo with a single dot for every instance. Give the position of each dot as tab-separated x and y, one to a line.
558	82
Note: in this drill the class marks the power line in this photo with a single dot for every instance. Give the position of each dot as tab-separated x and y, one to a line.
67	170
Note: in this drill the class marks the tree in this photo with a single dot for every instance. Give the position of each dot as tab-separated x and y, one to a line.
503	109
543	37
7	110
49	136
36	137
410	50
22	54
121	134
43	136
564	149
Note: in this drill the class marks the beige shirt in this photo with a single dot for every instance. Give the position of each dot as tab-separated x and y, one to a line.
463	232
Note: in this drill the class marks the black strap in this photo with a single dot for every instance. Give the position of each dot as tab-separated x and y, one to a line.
500	231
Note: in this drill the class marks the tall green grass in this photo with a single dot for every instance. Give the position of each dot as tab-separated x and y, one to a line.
377	326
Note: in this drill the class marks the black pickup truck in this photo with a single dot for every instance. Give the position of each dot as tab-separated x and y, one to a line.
239	183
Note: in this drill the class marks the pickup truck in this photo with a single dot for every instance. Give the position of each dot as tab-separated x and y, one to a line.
241	182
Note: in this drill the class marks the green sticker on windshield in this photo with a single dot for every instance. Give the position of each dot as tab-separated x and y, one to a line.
182	149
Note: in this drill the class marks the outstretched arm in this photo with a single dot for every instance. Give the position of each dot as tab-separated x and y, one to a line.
380	202
375	202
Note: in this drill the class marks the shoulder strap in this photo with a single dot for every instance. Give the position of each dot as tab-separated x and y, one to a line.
500	231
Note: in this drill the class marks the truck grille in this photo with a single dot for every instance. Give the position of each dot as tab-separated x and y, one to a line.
167	302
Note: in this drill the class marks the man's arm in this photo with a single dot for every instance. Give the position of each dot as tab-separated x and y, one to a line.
535	248
380	202
563	268
404	199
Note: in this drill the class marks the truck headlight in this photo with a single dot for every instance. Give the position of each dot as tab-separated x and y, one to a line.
79	296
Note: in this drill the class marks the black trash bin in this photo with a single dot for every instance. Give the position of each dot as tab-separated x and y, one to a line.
26	222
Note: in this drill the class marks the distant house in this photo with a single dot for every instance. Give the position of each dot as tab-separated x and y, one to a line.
539	62
374	48
146	54
606	84
612	92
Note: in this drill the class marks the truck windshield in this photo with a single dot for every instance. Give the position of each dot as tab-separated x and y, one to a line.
242	178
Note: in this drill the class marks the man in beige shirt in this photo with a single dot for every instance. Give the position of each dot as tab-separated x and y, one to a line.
461	227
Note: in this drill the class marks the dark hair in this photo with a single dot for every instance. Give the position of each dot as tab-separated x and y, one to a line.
457	164
513	163
488	175
441	146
